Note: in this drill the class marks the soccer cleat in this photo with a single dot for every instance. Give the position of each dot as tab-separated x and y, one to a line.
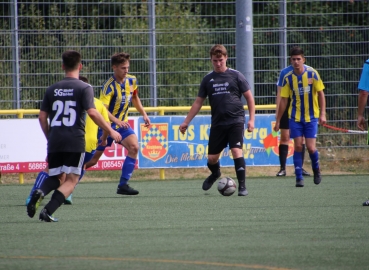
305	173
210	180
317	176
27	200
282	172
366	203
68	200
126	190
44	216
243	192
36	198
300	183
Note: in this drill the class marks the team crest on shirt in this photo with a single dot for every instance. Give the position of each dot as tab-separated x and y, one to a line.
154	141
310	81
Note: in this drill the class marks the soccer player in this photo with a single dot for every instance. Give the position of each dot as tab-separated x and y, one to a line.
91	144
363	97
224	87
65	104
116	94
284	129
307	108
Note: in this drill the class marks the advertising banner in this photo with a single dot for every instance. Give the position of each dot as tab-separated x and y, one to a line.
23	145
163	146
23	148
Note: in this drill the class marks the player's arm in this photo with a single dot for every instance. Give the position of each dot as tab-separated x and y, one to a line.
100	121
251	107
195	108
138	105
321	101
115	120
363	97
42	118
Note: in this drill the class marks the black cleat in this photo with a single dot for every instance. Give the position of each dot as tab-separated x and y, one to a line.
126	190
300	183
317	176
242	192
44	216
366	203
305	173
36	198
282	172
210	181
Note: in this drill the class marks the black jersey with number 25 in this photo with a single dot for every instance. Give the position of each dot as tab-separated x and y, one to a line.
66	102
224	91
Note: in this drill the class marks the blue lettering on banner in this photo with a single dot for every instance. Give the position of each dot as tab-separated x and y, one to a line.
162	145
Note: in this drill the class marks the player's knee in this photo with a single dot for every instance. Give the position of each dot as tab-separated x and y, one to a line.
133	149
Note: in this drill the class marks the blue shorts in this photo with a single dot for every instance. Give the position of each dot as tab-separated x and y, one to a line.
304	129
88	156
124	132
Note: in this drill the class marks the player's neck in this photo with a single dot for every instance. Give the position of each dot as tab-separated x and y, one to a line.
299	71
72	74
119	79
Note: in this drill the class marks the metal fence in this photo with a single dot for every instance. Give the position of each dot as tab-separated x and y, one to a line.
169	43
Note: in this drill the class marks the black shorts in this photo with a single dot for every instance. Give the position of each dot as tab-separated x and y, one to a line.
221	136
284	123
65	162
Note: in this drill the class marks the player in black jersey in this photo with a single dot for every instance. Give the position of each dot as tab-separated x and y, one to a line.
224	87
65	105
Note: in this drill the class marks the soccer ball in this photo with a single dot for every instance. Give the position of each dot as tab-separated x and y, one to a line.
226	186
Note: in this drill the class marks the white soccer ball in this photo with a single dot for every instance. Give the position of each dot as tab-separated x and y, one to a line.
226	186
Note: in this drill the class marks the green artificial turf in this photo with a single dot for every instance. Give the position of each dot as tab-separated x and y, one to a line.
177	225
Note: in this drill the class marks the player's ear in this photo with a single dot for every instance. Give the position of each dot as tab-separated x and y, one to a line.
80	66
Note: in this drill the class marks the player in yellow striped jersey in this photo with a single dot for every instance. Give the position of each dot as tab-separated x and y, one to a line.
116	94
303	86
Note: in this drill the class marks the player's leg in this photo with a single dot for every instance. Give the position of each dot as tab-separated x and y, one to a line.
283	143
304	172
296	133
88	157
52	182
130	142
39	179
310	132
235	142
283	151
217	142
72	167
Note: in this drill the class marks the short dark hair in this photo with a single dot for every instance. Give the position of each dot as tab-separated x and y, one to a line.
71	60
83	78
296	50
120	58
218	50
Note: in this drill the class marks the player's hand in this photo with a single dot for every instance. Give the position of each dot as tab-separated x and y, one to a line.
361	123
147	121
276	127
116	136
123	124
322	120
183	127
250	126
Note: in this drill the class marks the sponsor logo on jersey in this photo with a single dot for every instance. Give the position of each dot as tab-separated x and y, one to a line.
63	92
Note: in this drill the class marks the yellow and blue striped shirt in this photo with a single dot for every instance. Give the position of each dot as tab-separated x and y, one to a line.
118	96
303	91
